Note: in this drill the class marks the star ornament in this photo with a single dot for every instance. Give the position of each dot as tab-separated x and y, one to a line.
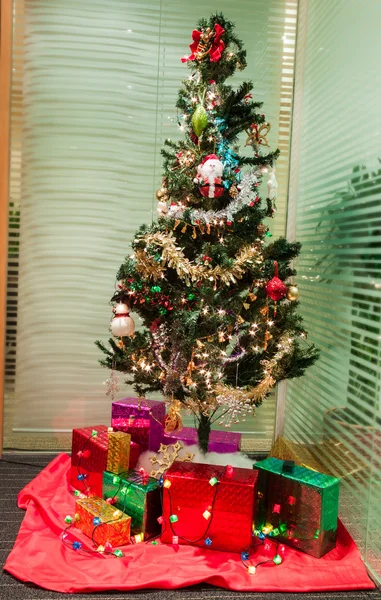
166	455
257	135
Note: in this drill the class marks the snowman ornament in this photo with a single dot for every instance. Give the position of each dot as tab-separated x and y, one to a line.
122	324
209	177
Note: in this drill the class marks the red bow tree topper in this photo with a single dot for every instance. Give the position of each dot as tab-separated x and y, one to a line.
215	50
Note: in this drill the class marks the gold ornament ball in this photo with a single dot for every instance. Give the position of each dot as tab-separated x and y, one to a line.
292	293
160	193
261	229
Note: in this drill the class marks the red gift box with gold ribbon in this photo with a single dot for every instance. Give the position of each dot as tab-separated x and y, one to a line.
95	450
209	506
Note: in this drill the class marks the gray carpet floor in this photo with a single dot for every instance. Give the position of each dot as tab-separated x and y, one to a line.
14	476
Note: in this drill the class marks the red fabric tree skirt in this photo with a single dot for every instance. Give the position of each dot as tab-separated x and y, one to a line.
40	557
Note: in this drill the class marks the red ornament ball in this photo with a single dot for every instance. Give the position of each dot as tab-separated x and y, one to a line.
276	289
193	137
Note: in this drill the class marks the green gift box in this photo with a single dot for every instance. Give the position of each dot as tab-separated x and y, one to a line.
297	506
138	496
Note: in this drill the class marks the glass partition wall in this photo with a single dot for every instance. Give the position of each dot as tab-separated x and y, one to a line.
93	97
335	200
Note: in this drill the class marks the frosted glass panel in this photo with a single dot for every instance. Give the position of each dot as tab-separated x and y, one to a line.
94	92
86	106
336	186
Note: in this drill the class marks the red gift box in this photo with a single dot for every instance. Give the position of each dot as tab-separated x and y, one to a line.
137	428
135	451
94	450
209	506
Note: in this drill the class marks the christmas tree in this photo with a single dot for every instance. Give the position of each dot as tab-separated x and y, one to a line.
220	323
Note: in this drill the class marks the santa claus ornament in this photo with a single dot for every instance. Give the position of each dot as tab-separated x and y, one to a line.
276	289
122	324
209	177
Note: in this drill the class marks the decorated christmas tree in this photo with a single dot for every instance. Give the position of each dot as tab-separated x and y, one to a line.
215	294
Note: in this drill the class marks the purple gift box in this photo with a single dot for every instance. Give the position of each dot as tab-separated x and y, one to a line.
219	441
142	419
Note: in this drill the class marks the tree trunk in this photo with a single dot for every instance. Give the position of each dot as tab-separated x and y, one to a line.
203	431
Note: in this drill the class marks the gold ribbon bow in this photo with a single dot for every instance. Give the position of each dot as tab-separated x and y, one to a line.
258	135
173	420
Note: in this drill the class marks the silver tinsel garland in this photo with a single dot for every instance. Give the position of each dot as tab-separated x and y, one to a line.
248	187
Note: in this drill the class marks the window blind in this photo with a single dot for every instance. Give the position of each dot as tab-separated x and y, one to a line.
335	190
94	91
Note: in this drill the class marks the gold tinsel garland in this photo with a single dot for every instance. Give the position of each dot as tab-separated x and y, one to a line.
224	394
174	258
254	395
260	391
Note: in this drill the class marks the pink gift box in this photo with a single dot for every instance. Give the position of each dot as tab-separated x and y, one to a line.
219	441
142	419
